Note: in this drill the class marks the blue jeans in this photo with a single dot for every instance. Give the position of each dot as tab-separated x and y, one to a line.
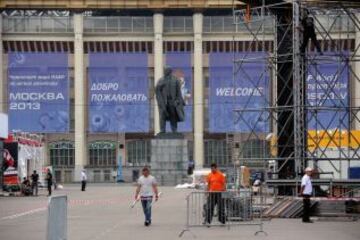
146	204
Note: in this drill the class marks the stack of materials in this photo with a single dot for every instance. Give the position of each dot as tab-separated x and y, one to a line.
290	207
286	208
333	207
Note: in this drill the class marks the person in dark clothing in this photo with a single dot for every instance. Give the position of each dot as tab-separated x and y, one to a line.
26	187
308	30
35	182
49	179
191	166
83	180
26	182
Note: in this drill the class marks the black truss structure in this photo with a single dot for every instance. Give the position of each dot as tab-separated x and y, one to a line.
330	144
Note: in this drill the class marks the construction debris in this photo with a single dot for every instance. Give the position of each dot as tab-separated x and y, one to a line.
291	207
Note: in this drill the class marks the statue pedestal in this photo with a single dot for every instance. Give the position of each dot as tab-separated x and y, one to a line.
170	135
169	159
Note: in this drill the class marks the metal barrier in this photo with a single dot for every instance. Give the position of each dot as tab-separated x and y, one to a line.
229	208
57	218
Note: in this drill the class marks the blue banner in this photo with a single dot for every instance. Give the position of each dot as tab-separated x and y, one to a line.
248	93
118	92
38	87
180	62
327	87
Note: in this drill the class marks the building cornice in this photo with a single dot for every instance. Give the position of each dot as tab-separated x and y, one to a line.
117	4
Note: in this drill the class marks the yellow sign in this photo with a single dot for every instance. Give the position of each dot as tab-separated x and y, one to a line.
333	139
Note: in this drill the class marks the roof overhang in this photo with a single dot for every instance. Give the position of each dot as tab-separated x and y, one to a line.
117	4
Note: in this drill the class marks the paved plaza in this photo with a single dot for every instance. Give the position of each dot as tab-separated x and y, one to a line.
103	212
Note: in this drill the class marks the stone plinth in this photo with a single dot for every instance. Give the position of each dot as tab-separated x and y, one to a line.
169	159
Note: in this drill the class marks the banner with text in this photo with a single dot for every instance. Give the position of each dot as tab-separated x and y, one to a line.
182	69
238	104
327	86
38	87
118	92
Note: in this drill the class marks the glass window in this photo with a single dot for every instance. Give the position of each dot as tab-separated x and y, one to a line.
229	25
138	152
255	149
217	24
102	153
125	24
253	152
149	24
178	24
60	24
139	24
47	24
188	24
112	24
33	24
62	154
88	24
99	24
207	24
216	151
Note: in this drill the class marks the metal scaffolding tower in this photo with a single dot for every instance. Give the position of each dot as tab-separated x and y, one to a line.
313	103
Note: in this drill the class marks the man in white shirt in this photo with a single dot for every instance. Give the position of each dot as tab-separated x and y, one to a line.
306	191
83	180
146	188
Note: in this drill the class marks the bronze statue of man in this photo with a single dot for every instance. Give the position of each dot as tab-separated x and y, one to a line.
170	101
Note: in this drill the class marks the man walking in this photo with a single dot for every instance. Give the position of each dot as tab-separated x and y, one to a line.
306	191
216	185
146	188
83	180
34	183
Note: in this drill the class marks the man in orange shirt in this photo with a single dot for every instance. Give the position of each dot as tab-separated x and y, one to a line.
216	184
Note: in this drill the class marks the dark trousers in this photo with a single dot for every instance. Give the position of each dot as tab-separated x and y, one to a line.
171	110
215	199
146	205
49	188
83	185
306	210
309	35
35	188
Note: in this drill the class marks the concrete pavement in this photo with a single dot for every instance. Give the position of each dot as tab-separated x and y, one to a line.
103	212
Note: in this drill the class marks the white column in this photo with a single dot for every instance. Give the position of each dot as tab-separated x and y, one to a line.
80	101
2	82
198	92
158	62
356	79
46	155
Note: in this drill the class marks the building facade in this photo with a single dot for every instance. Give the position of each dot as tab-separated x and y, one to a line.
139	43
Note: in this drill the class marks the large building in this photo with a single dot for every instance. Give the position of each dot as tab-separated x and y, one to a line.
82	73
